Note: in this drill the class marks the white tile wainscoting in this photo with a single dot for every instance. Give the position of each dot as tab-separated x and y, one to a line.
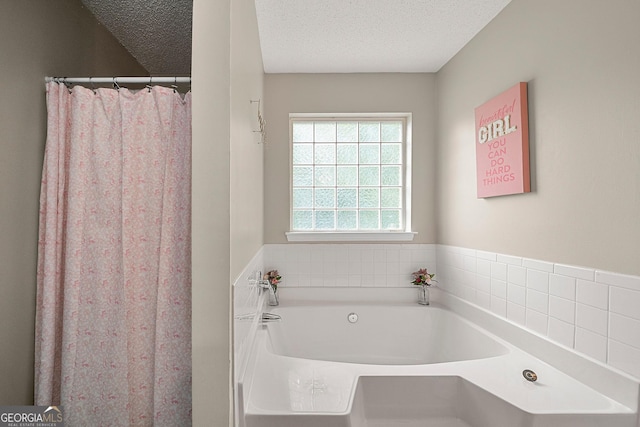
594	312
246	304
345	265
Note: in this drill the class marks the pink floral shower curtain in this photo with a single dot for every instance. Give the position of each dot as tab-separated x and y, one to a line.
113	325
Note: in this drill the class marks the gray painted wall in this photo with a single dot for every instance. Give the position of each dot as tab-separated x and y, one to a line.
581	60
38	38
349	93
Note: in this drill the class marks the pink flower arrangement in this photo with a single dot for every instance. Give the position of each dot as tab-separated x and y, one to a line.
422	277
273	277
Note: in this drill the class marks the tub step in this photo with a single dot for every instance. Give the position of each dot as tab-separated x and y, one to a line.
447	401
431	422
297	420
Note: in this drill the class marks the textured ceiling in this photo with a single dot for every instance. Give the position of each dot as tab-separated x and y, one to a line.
368	35
156	32
309	36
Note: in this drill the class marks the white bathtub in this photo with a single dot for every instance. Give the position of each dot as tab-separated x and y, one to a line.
402	364
381	335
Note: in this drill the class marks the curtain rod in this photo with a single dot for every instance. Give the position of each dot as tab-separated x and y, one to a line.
147	80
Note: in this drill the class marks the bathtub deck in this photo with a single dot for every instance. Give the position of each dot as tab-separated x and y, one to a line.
488	392
329	394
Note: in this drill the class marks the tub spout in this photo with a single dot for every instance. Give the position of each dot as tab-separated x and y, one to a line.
270	317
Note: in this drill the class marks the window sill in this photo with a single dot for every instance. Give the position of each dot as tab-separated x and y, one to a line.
331	236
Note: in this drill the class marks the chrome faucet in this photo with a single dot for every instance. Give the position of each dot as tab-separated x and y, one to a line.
273	292
264	317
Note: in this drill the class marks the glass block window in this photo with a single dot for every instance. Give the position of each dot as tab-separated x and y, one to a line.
348	174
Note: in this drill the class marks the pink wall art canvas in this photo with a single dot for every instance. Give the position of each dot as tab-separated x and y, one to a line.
502	144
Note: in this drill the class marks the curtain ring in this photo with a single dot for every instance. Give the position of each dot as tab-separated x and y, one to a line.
66	84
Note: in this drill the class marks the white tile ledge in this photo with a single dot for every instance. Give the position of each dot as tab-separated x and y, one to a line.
380	236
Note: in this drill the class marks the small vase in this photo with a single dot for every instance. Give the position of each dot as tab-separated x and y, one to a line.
273	297
423	295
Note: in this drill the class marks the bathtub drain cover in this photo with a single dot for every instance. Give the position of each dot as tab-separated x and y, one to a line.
352	317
